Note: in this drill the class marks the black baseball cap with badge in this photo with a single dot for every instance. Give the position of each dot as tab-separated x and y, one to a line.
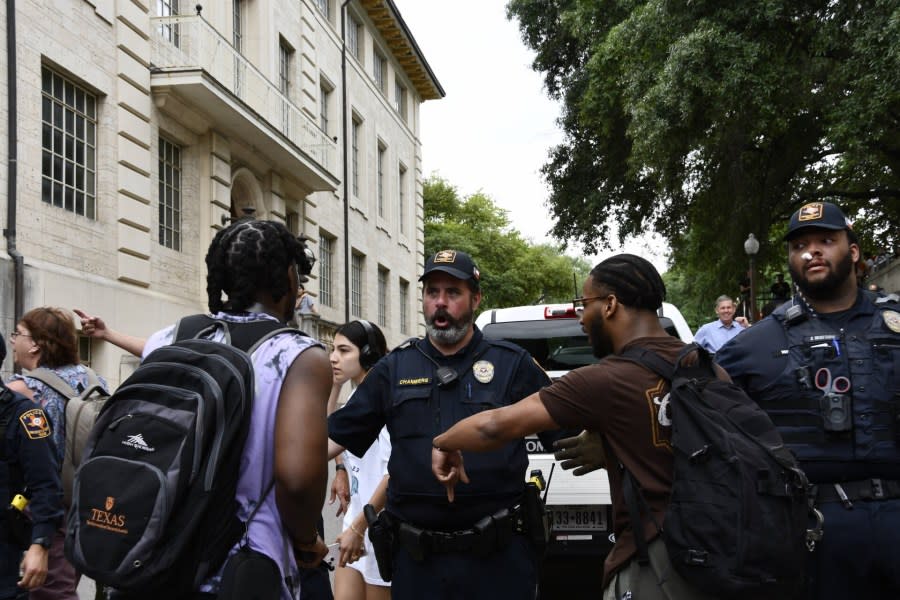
821	215
455	263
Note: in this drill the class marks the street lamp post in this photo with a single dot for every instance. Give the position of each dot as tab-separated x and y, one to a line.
751	247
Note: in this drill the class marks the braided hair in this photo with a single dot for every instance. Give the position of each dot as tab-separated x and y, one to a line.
251	255
633	280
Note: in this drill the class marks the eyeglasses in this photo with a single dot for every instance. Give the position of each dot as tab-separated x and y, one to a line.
16	334
580	303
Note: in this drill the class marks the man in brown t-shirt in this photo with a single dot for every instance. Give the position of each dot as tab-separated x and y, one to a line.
621	401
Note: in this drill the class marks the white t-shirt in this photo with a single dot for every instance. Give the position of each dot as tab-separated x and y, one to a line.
365	475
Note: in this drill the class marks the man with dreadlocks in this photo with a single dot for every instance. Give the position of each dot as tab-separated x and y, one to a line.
619	400
256	265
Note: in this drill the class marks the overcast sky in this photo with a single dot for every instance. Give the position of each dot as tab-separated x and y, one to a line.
493	130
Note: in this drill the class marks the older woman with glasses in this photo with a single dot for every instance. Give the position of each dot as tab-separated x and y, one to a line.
46	338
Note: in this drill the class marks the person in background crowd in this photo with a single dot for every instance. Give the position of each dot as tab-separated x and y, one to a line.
825	367
46	338
618	311
781	290
418	390
305	313
254	264
358	345
713	335
29	466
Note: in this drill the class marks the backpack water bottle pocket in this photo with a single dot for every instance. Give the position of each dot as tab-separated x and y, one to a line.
120	517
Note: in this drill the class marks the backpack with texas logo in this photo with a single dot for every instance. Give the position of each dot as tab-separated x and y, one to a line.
736	523
82	409
153	511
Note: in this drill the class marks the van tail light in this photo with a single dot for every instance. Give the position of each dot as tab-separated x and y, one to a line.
560	312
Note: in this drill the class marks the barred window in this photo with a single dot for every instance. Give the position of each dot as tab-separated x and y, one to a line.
379	70
400	100
401	197
169	194
354	32
404	307
168	31
326	269
69	142
383	296
357	262
354	155
285	58
380	183
324	7
324	102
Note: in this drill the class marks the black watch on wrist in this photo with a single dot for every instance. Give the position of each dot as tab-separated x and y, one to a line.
339	467
43	541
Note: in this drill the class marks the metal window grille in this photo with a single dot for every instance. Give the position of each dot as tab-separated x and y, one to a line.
382	297
356	280
404	307
355	156
326	272
380	182
69	145
401	198
169	194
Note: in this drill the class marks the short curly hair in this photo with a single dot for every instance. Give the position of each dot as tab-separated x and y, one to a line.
248	256
53	331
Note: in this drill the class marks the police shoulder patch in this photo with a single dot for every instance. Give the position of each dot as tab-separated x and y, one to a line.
35	424
892	320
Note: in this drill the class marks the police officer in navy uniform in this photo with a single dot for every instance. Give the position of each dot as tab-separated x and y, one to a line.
473	547
825	368
28	468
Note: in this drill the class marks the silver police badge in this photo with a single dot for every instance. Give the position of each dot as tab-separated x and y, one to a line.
484	371
892	320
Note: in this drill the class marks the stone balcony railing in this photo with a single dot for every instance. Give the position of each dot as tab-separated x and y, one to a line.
189	42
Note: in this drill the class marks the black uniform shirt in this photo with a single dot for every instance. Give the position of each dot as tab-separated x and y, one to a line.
30	463
402	392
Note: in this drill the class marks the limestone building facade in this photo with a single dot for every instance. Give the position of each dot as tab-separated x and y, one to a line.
135	129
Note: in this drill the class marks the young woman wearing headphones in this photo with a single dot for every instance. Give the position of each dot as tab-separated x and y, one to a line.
358	345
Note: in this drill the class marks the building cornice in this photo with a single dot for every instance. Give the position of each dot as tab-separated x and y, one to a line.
403	46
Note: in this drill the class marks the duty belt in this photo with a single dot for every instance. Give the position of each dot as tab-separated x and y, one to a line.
486	537
846	492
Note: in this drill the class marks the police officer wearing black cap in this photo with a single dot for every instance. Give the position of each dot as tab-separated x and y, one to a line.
477	545
826	367
29	476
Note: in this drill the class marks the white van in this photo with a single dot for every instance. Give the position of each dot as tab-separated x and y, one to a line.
579	507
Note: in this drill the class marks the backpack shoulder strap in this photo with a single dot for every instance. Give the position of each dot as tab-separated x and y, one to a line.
667	370
54	381
190	327
652	361
94	385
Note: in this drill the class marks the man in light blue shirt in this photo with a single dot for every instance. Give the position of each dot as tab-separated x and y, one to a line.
713	336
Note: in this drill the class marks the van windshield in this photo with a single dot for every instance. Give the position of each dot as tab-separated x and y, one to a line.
556	344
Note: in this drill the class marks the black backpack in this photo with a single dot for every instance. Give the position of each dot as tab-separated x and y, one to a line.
736	523
153	511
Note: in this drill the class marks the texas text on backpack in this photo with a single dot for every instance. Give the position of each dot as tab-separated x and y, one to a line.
154	509
82	409
736	521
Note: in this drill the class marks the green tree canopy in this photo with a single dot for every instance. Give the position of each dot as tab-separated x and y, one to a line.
513	271
706	121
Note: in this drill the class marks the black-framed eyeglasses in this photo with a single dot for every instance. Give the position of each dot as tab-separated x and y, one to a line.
580	303
16	334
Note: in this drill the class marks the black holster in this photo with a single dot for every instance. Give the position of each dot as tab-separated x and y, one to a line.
18	527
535	522
381	534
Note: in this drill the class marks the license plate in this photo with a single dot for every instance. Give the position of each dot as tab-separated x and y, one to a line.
577	518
